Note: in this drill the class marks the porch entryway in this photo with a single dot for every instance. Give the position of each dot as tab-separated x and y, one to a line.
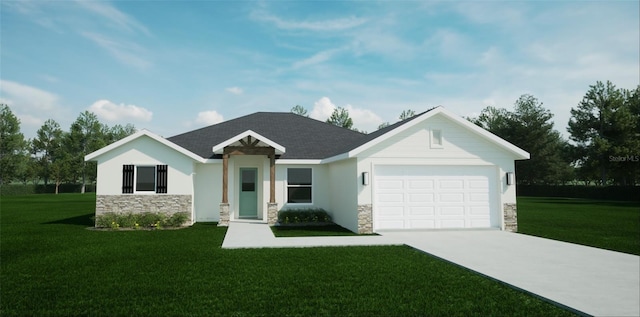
253	144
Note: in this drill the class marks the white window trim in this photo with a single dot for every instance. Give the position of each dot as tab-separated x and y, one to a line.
135	180
432	143
310	186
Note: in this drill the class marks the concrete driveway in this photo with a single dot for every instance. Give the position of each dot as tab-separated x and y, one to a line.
588	280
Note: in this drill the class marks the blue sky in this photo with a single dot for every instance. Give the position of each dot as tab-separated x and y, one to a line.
174	66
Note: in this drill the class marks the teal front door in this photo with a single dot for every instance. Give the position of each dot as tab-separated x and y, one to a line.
248	193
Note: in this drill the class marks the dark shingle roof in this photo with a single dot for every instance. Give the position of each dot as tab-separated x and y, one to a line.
303	138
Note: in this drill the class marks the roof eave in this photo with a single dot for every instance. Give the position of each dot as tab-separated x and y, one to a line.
94	156
219	148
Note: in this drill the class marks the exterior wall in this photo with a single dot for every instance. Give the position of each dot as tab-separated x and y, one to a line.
460	147
144	151
169	204
344	186
321	197
207	192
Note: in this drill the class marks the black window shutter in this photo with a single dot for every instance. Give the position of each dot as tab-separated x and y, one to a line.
161	179
127	179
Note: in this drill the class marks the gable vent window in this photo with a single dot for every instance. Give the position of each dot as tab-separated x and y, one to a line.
436	139
299	186
144	179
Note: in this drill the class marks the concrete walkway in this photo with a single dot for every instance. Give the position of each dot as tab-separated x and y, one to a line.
588	280
258	235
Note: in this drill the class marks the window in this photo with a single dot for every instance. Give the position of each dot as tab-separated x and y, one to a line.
436	139
144	179
299	183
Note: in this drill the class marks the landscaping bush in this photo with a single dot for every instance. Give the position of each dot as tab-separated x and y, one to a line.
317	215
140	220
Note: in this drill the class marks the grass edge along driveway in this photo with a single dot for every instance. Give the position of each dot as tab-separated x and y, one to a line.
52	266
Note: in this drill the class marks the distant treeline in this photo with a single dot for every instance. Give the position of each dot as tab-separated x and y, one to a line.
623	193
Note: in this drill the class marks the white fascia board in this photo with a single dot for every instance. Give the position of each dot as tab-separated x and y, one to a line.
298	162
94	155
390	134
335	158
219	148
519	153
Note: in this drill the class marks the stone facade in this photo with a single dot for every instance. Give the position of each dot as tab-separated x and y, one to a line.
224	215
510	217
365	219
169	204
272	213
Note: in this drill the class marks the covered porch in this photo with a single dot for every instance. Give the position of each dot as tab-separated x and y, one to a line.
247	153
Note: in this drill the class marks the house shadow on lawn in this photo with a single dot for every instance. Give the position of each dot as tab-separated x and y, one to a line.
83	220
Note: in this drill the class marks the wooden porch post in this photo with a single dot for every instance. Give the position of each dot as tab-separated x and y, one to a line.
225	178
272	178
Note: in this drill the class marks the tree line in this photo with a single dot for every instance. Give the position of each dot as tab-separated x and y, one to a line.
603	147
54	156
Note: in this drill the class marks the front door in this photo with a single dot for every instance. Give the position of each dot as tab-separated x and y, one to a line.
248	193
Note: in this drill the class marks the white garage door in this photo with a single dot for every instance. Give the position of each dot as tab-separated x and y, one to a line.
433	197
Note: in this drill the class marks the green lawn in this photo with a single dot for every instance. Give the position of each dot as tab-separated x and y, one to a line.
311	231
611	225
52	266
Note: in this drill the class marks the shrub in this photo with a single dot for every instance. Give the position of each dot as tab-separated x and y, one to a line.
303	216
142	220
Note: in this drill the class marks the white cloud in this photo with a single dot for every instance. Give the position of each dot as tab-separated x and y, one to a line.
235	90
209	117
109	111
322	109
317	58
320	25
113	15
363	119
126	52
28	98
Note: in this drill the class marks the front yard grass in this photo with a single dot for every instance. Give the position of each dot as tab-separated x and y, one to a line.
611	225
52	266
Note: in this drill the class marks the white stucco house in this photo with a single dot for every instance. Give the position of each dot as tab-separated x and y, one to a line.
434	170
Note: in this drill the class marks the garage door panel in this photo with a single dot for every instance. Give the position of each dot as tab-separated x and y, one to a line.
451	198
391	198
420	184
434	197
421	198
422	223
479	210
452	210
478	184
421	211
390	211
452	184
390	184
452	223
478	197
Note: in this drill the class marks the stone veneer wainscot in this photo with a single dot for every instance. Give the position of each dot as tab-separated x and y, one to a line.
510	217
365	219
168	204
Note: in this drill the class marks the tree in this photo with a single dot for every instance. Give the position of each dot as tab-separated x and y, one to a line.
300	110
383	125
117	132
85	136
47	145
604	127
530	127
406	114
340	117
12	144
